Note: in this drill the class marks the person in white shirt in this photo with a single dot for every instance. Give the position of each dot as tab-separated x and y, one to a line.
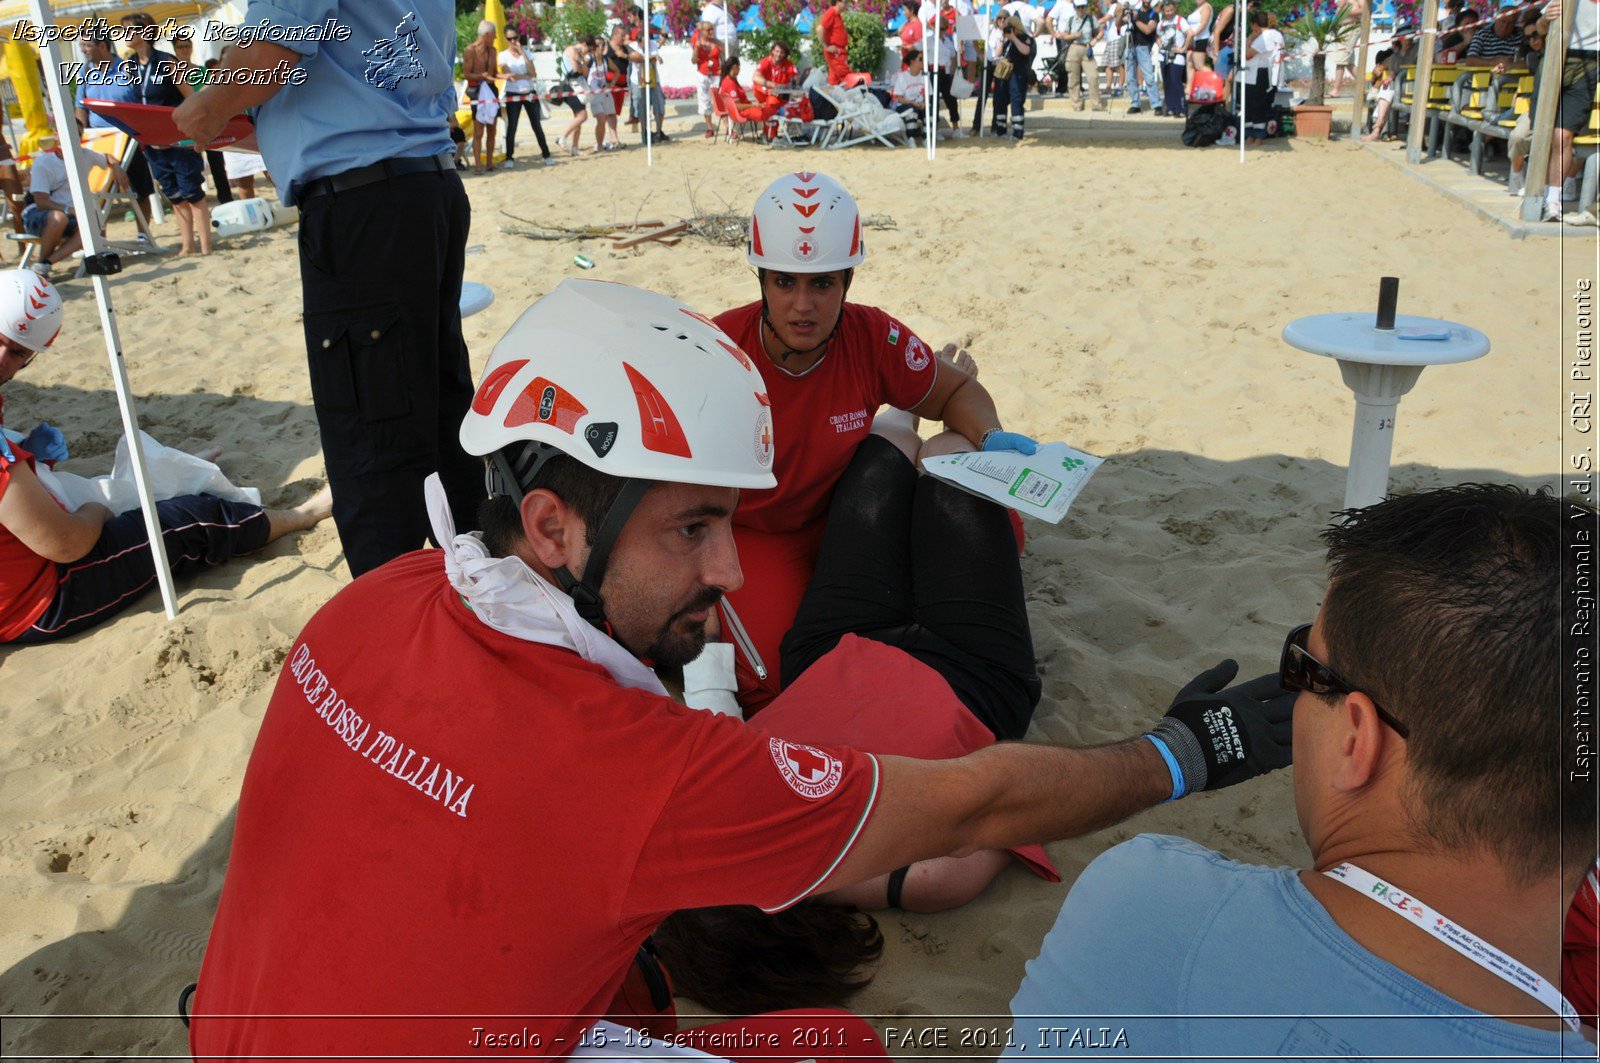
1171	34
942	45
722	27
517	66
49	213
640	85
1113	30
1263	59
909	92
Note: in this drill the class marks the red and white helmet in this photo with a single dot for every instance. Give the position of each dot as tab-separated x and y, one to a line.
629	382
30	309
805	223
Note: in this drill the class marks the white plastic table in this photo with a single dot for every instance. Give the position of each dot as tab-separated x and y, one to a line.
1379	366
475	298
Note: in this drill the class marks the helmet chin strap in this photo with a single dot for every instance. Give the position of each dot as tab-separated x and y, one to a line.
503	477
585	592
791	352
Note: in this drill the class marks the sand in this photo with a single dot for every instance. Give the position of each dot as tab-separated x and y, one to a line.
1124	295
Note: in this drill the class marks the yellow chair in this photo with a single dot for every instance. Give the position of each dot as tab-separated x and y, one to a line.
1469	96
1440	81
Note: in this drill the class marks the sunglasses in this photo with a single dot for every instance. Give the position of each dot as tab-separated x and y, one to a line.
1298	670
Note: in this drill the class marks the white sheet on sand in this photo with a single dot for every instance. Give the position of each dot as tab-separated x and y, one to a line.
172	473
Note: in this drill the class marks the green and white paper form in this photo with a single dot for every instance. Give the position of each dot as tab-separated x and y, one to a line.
1042	485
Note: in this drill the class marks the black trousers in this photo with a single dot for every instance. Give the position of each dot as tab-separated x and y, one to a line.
199	531
914	563
942	80
380	275
514	109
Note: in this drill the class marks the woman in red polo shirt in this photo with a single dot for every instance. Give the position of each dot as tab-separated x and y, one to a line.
828	366
738	103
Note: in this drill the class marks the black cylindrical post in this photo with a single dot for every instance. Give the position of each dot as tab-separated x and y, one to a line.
1388	295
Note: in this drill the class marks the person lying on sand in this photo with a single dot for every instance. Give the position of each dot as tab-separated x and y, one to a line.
64	571
471	796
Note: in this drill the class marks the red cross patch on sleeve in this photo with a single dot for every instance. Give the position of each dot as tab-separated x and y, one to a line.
810	772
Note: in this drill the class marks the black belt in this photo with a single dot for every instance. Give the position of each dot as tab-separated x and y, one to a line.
385	170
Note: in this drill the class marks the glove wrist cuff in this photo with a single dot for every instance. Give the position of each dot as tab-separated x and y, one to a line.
1185	750
1172	766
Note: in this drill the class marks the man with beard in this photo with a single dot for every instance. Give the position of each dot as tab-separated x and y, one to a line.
470	797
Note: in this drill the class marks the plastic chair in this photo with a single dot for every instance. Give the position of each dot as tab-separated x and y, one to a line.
728	107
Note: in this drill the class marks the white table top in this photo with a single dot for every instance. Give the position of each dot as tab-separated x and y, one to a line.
1352	338
475	298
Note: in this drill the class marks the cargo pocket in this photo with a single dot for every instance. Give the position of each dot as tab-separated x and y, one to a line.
358	362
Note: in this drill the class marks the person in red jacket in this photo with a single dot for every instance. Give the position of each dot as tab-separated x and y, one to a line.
828	365
774	74
835	43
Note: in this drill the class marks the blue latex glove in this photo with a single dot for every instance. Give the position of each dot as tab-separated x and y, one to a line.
47	443
1010	441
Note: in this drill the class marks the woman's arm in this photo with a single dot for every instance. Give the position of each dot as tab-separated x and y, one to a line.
32	514
963	404
1024	45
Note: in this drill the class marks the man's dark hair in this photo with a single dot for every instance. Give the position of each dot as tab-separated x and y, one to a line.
1467	17
1445	607
96	34
739	960
589	493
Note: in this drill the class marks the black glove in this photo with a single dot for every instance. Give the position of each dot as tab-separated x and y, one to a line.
1219	737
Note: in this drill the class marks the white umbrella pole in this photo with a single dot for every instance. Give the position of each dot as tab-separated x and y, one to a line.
644	90
95	244
933	80
1238	67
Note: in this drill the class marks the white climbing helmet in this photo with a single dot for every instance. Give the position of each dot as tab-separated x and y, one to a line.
805	223
629	382
30	309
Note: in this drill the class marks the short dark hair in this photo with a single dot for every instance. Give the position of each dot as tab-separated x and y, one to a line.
911	56
96	34
1467	15
1445	606
739	960
588	491
911	5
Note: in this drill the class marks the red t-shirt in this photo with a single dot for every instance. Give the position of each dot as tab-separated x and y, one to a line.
707	56
27	581
819	419
776	73
734	91
911	34
440	819
833	31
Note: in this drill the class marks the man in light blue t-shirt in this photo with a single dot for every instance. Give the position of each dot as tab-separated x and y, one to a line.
1438	788
352	105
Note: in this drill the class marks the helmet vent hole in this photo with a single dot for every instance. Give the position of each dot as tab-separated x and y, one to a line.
661	328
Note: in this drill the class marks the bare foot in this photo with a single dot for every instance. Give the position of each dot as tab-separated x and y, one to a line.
958	357
210	454
314	510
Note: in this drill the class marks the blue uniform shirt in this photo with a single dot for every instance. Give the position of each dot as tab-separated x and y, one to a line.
383	93
117	81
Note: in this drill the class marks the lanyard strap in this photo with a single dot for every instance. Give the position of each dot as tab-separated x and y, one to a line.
1459	938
